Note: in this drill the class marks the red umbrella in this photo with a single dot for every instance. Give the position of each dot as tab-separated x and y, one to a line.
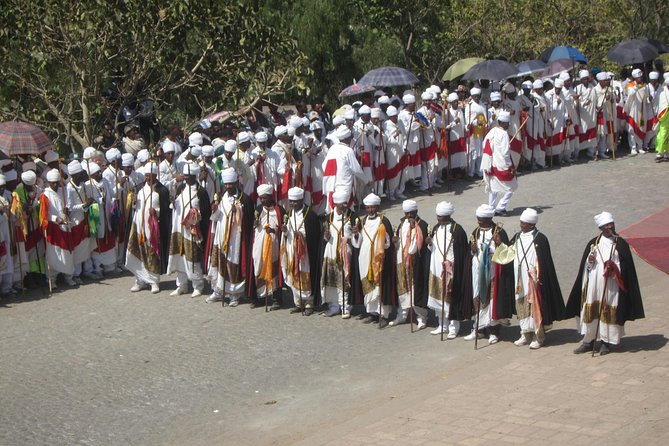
23	138
356	89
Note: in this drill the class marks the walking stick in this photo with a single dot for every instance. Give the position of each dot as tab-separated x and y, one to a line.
601	301
427	164
444	283
469	122
410	287
295	257
341	254
613	142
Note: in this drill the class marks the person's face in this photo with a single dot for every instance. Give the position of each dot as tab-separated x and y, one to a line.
251	119
262	145
442	220
608	230
191	179
245	146
266	201
496	104
512	96
127	170
375	121
54	185
393	119
526	227
484	223
410	215
295	204
503	125
318	133
567	83
169	156
349	123
97	176
340	208
134	133
228	155
372	210
318	107
208	159
230	188
476	98
285	138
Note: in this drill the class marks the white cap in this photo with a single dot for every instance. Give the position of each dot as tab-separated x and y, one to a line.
371	200
339	197
337	121
601	76
564	76
509	88
231	146
143	156
295	193
475	91
435	89
538	84
89	152
426	96
190	168
280	130
196	151
529	215
444	209
53	175
376	112
453	97
261	137
74	167
391	111
318	125
409	99
364	110
637	73
291	131
127	160
208	150
305	122
559	83
583	73
195	139
50	156
527	85
603	219
343	132
495	96
265	189
91	168
485	211
168	147
112	154
409	206
295	122
229	175
349	114
205	124
504	116
383	100
150	168
29	178
243	137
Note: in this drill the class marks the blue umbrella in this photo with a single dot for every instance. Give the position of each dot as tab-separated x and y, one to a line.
389	77
530	67
562	52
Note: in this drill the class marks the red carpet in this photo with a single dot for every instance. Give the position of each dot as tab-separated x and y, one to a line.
649	238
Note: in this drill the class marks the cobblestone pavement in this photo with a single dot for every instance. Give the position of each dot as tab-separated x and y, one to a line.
101	366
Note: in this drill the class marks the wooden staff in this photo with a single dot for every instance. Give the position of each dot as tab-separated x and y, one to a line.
65	209
427	164
444	283
343	272
613	142
601	301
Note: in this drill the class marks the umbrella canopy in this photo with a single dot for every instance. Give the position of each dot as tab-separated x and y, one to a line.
355	89
389	77
659	46
632	51
460	67
558	66
530	67
492	70
562	52
23	138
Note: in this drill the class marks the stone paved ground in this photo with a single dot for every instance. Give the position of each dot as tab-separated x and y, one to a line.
102	366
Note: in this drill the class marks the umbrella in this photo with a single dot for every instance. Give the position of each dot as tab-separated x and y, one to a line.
632	51
23	138
460	67
530	67
659	46
558	66
389	77
355	89
562	52
492	70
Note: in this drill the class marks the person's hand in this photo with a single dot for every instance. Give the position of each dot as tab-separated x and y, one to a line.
355	230
396	240
89	201
59	221
123	180
284	228
497	238
179	177
269	230
428	240
32	194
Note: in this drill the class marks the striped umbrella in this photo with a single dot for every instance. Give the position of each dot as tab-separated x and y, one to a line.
23	138
389	77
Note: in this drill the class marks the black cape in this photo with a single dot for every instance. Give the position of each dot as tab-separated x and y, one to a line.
460	256
164	223
502	291
421	266
355	286
552	304
388	275
630	305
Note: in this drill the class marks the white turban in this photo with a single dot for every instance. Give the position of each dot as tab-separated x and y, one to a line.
280	130
89	152
143	156
409	206
91	168
453	97
559	83
444	209
53	175
371	200
195	139
637	72
112	154
29	177
74	168
231	146
391	111
337	121
150	168
349	114
205	124
527	85
10	175
475	91
376	113
583	73
364	110
485	211
195	151
509	89
169	147
564	76
603	219
504	116
208	150
265	189
243	137
28	165
190	169
538	84
409	99
339	197
295	193
343	132
529	215
295	122
383	100
50	156
229	175
601	76
127	160
654	75
426	96
3	180
316	125
291	131
435	89
495	96
305	122
261	137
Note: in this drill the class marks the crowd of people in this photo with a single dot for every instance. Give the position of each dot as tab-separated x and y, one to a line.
290	205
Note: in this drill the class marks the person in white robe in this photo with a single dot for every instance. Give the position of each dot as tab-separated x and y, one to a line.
410	129
476	124
396	157
607	122
454	123
80	202
266	249
585	103
104	256
498	168
640	113
7	245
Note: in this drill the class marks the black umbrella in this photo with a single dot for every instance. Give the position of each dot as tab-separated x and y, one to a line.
492	70
388	77
659	46
632	52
